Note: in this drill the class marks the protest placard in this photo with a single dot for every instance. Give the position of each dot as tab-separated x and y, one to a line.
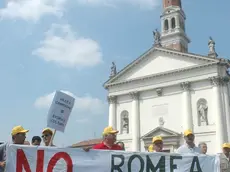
51	159
60	110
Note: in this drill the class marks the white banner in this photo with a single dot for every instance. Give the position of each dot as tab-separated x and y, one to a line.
59	111
44	159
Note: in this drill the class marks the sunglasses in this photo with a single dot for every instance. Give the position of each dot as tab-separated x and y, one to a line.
46	135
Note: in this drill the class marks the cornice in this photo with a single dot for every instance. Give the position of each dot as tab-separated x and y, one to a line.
160	74
163	50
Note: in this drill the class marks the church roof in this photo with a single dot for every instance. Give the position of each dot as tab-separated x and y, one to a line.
208	61
87	143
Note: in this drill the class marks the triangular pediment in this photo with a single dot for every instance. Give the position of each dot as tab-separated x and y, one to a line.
160	131
159	60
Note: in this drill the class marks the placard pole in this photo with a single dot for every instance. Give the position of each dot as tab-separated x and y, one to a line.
52	138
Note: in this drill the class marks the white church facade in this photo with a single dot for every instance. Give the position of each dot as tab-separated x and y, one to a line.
168	90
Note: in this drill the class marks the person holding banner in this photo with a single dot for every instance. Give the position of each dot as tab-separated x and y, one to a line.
157	144
122	145
189	146
36	141
18	134
47	134
203	147
224	158
109	140
150	148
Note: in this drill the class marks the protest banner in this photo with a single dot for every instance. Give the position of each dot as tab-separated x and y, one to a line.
51	159
59	111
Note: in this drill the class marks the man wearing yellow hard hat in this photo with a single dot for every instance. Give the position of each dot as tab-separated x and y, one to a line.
47	134
189	146
18	135
224	158
157	144
109	140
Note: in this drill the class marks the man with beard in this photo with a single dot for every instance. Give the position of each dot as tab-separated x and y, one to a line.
109	139
47	134
18	134
189	146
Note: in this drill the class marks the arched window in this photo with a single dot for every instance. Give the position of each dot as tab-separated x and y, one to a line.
125	122
173	22
166	24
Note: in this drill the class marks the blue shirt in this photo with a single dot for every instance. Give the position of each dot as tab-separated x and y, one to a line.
186	149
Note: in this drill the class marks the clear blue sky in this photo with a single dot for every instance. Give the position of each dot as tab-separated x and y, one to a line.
70	44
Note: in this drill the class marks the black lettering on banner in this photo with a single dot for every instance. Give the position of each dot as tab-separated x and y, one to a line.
172	165
142	163
160	165
115	167
195	165
62	104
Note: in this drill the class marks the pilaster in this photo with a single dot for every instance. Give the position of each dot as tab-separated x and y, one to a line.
135	121
187	106
112	111
217	110
225	82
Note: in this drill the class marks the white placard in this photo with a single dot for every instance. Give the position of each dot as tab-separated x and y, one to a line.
59	111
51	159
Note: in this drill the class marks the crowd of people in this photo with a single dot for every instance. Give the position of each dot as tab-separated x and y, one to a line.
109	142
18	135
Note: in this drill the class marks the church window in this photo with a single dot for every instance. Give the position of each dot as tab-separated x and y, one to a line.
173	22
125	122
166	25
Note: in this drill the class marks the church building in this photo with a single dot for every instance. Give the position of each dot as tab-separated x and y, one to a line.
168	90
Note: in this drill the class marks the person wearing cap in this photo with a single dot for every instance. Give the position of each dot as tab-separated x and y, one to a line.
18	134
224	158
109	140
189	146
47	134
157	144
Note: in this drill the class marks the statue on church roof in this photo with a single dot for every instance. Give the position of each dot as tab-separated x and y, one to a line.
113	70
157	38
212	50
211	44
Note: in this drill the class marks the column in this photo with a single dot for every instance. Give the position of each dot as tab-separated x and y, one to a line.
112	111
135	122
170	23
217	111
227	109
162	26
187	106
177	20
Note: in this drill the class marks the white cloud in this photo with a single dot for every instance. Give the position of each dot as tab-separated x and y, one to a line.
86	104
140	3
62	47
32	9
